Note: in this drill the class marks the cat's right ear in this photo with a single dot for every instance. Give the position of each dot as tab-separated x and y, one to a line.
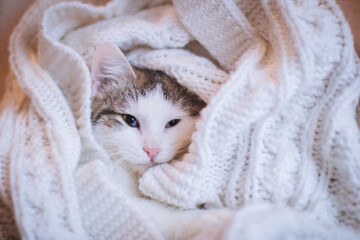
109	64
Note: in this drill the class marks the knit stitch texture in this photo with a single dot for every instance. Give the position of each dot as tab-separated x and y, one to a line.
278	141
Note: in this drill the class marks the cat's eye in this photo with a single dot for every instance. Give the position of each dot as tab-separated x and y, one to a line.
172	123
130	120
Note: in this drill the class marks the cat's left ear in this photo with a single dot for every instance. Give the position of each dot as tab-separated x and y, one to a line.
109	64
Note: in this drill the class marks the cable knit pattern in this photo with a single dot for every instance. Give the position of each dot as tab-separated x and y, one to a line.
282	129
281	80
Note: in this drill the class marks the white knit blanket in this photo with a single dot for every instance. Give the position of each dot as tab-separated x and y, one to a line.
278	141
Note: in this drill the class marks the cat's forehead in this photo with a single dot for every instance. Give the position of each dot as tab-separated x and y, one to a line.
153	106
148	80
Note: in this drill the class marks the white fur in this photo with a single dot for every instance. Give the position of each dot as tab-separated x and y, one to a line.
153	112
125	146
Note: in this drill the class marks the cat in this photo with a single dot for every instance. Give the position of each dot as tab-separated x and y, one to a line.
142	118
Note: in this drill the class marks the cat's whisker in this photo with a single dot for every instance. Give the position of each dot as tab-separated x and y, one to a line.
118	163
137	109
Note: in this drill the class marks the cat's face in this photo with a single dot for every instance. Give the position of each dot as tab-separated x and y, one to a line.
147	130
140	116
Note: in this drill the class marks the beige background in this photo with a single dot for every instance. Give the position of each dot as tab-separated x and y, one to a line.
11	11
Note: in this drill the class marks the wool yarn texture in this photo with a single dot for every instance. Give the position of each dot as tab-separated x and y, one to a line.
279	140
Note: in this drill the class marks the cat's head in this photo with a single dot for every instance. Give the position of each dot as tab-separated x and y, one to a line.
139	116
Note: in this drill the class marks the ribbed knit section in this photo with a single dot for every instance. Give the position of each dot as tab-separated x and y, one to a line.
226	24
109	213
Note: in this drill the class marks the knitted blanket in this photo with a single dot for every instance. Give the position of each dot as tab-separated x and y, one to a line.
278	142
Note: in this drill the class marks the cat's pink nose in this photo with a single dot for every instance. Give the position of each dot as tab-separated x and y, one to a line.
152	152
